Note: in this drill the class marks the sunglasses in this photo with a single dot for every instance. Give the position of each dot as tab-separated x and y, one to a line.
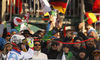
37	44
96	53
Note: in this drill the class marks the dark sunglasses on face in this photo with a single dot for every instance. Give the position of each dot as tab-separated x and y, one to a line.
37	44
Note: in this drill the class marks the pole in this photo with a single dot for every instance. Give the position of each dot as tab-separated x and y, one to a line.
11	11
82	13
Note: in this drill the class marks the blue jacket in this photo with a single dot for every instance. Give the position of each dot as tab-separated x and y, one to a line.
2	42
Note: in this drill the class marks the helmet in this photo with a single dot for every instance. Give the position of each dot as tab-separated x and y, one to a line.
17	39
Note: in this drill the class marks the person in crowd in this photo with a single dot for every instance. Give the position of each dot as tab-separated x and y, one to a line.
26	33
91	31
16	53
2	39
8	37
13	31
55	34
90	47
36	36
37	54
77	47
68	37
82	54
7	48
66	54
79	31
41	33
52	54
96	54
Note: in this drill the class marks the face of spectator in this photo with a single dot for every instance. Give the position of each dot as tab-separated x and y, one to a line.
65	49
37	46
57	35
27	35
13	33
7	38
90	43
54	47
88	27
8	48
77	45
96	57
82	54
69	33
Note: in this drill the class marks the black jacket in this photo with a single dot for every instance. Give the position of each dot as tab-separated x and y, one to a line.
89	52
76	51
52	54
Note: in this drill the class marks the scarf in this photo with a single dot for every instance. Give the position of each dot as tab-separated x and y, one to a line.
68	56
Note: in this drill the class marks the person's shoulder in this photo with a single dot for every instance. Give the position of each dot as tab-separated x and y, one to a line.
12	55
43	54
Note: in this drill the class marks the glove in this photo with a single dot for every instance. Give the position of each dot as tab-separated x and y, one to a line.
30	42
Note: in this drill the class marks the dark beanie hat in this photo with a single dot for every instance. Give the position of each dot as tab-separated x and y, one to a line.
77	38
54	43
83	50
66	45
36	35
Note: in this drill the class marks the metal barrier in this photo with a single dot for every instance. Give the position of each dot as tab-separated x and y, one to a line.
34	6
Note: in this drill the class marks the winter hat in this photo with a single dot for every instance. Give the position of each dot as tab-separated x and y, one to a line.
77	38
26	32
13	30
36	35
54	43
8	33
6	43
83	50
66	45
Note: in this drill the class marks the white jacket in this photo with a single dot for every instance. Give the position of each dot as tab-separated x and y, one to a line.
37	54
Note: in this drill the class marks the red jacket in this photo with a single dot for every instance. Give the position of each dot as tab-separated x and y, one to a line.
96	7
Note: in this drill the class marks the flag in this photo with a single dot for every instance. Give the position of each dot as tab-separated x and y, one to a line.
91	18
17	21
64	31
45	6
26	17
59	5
